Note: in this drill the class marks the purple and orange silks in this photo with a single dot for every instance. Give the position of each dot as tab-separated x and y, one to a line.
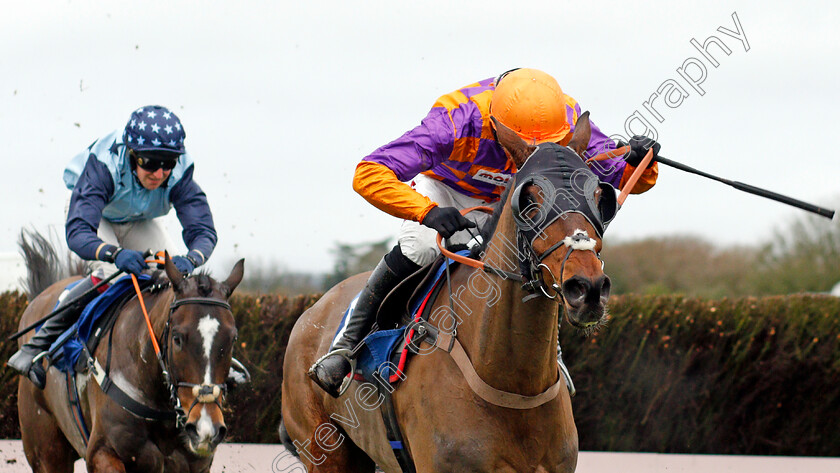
455	144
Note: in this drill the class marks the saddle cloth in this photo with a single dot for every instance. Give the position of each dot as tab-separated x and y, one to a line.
385	351
68	347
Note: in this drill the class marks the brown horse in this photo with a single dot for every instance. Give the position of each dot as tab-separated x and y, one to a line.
195	330
448	420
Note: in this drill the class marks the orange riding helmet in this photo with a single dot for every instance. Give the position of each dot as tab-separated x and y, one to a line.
531	103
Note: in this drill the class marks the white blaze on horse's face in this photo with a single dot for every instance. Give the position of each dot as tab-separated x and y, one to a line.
207	327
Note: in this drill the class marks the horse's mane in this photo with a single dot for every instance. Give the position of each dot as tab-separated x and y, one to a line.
44	266
203	282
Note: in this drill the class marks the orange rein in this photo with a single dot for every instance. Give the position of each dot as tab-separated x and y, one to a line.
159	260
463	259
637	173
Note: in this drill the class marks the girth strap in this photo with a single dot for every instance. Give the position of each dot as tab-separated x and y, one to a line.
483	390
392	429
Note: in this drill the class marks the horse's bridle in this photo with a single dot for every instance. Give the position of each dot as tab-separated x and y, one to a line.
530	274
567	186
532	268
202	393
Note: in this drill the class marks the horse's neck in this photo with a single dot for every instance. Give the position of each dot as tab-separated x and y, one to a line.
133	349
512	344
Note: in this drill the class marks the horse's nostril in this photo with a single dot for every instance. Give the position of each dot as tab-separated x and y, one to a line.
574	291
605	289
221	432
191	430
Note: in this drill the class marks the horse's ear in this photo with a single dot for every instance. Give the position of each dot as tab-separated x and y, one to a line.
516	147
583	131
175	276
234	278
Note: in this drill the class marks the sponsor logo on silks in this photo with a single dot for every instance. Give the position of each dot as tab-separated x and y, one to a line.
491	177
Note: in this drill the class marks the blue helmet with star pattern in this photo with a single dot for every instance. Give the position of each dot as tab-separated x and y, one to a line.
154	128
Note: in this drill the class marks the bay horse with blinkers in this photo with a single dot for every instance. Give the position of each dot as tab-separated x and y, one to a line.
183	389
490	398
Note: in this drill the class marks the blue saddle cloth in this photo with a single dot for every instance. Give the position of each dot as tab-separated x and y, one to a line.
379	347
74	339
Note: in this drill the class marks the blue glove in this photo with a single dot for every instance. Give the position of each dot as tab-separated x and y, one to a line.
130	261
183	264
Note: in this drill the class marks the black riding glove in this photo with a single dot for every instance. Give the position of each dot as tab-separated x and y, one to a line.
447	221
639	146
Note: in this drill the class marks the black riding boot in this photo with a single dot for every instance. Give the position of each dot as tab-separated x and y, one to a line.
22	361
329	372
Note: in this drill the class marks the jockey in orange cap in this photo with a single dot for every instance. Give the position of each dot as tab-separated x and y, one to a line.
453	161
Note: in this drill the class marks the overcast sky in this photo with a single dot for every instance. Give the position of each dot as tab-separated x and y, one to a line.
280	100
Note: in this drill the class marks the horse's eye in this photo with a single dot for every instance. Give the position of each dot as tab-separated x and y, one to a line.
177	340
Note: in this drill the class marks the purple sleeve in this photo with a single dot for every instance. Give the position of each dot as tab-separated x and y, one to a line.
193	212
419	149
610	170
91	193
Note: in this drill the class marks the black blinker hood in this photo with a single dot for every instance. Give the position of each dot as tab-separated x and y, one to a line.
566	185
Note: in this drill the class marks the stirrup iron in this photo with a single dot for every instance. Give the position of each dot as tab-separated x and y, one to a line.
348	355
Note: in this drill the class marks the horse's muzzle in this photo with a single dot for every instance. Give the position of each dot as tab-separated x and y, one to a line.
586	299
204	436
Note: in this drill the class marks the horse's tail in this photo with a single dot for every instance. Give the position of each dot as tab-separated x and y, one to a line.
44	267
286	439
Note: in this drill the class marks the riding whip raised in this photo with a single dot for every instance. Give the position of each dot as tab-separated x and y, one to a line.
824	212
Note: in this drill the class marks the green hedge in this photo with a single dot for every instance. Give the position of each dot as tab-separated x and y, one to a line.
669	374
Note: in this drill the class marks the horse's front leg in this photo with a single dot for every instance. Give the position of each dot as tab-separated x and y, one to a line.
104	460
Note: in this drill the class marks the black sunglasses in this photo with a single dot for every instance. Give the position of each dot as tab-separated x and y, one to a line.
153	163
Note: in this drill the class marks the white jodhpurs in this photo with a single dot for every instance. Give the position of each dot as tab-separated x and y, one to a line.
141	235
418	242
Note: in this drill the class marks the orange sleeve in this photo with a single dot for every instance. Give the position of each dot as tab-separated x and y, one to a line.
381	187
645	182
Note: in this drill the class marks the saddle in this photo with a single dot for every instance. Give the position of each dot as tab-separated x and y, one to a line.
384	353
98	316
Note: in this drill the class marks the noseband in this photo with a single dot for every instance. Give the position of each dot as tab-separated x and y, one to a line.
202	393
578	241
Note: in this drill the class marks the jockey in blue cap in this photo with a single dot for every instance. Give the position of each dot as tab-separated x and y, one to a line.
121	184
